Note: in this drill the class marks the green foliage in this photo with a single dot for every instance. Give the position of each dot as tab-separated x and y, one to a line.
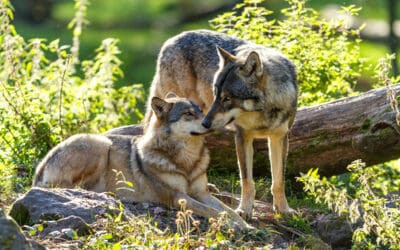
47	95
300	223
382	74
327	57
368	195
138	232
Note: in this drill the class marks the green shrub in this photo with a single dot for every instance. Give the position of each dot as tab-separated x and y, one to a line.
368	196
47	94
327	57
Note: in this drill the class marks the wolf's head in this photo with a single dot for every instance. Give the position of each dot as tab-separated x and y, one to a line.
237	87
178	116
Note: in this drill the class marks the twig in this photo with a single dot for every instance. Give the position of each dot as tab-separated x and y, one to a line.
61	89
384	66
26	122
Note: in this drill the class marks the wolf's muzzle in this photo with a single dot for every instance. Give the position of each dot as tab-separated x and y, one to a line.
206	123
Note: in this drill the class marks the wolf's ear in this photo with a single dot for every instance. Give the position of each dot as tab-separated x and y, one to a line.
170	95
224	56
253	65
160	107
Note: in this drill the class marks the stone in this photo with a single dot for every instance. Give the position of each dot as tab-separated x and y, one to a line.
334	230
71	222
12	237
40	204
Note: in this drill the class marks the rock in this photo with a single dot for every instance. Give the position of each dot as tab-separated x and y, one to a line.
72	222
36	246
40	204
11	236
334	230
162	216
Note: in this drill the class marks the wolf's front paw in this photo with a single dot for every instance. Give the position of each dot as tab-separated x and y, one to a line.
241	227
247	215
212	188
285	210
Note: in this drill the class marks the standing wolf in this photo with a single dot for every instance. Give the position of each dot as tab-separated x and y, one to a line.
235	81
166	164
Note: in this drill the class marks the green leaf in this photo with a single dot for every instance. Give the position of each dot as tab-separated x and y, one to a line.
28	68
219	236
117	246
40	227
107	236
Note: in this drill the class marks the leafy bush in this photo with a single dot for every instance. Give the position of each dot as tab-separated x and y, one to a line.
328	60
368	196
47	94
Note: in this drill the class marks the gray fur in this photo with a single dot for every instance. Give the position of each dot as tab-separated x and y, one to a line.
164	165
234	80
181	108
189	45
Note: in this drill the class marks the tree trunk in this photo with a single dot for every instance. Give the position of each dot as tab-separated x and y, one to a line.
328	136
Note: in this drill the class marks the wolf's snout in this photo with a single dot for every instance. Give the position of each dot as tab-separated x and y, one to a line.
206	123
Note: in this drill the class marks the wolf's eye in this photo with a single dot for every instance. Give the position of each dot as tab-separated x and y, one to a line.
189	114
226	100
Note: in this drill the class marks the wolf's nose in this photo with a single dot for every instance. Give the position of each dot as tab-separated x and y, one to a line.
206	124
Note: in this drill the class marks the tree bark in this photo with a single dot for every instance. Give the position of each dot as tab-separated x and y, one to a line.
328	136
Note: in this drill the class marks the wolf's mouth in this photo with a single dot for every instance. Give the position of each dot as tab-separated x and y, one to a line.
198	133
231	120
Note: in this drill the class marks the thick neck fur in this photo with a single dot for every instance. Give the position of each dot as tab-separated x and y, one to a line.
160	148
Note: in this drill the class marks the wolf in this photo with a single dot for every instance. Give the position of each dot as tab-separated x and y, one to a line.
236	82
167	164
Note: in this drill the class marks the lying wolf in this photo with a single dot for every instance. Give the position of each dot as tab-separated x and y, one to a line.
235	81
166	164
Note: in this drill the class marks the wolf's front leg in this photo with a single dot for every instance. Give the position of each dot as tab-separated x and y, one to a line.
278	149
215	203
244	152
197	207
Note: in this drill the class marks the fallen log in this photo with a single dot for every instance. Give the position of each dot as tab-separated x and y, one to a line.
328	136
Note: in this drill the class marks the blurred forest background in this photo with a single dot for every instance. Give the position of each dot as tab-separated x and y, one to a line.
142	26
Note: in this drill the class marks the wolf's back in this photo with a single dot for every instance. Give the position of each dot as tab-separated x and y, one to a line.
194	53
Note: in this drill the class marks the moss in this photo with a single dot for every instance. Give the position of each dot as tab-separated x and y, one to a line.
310	241
314	146
366	125
380	141
318	140
21	214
